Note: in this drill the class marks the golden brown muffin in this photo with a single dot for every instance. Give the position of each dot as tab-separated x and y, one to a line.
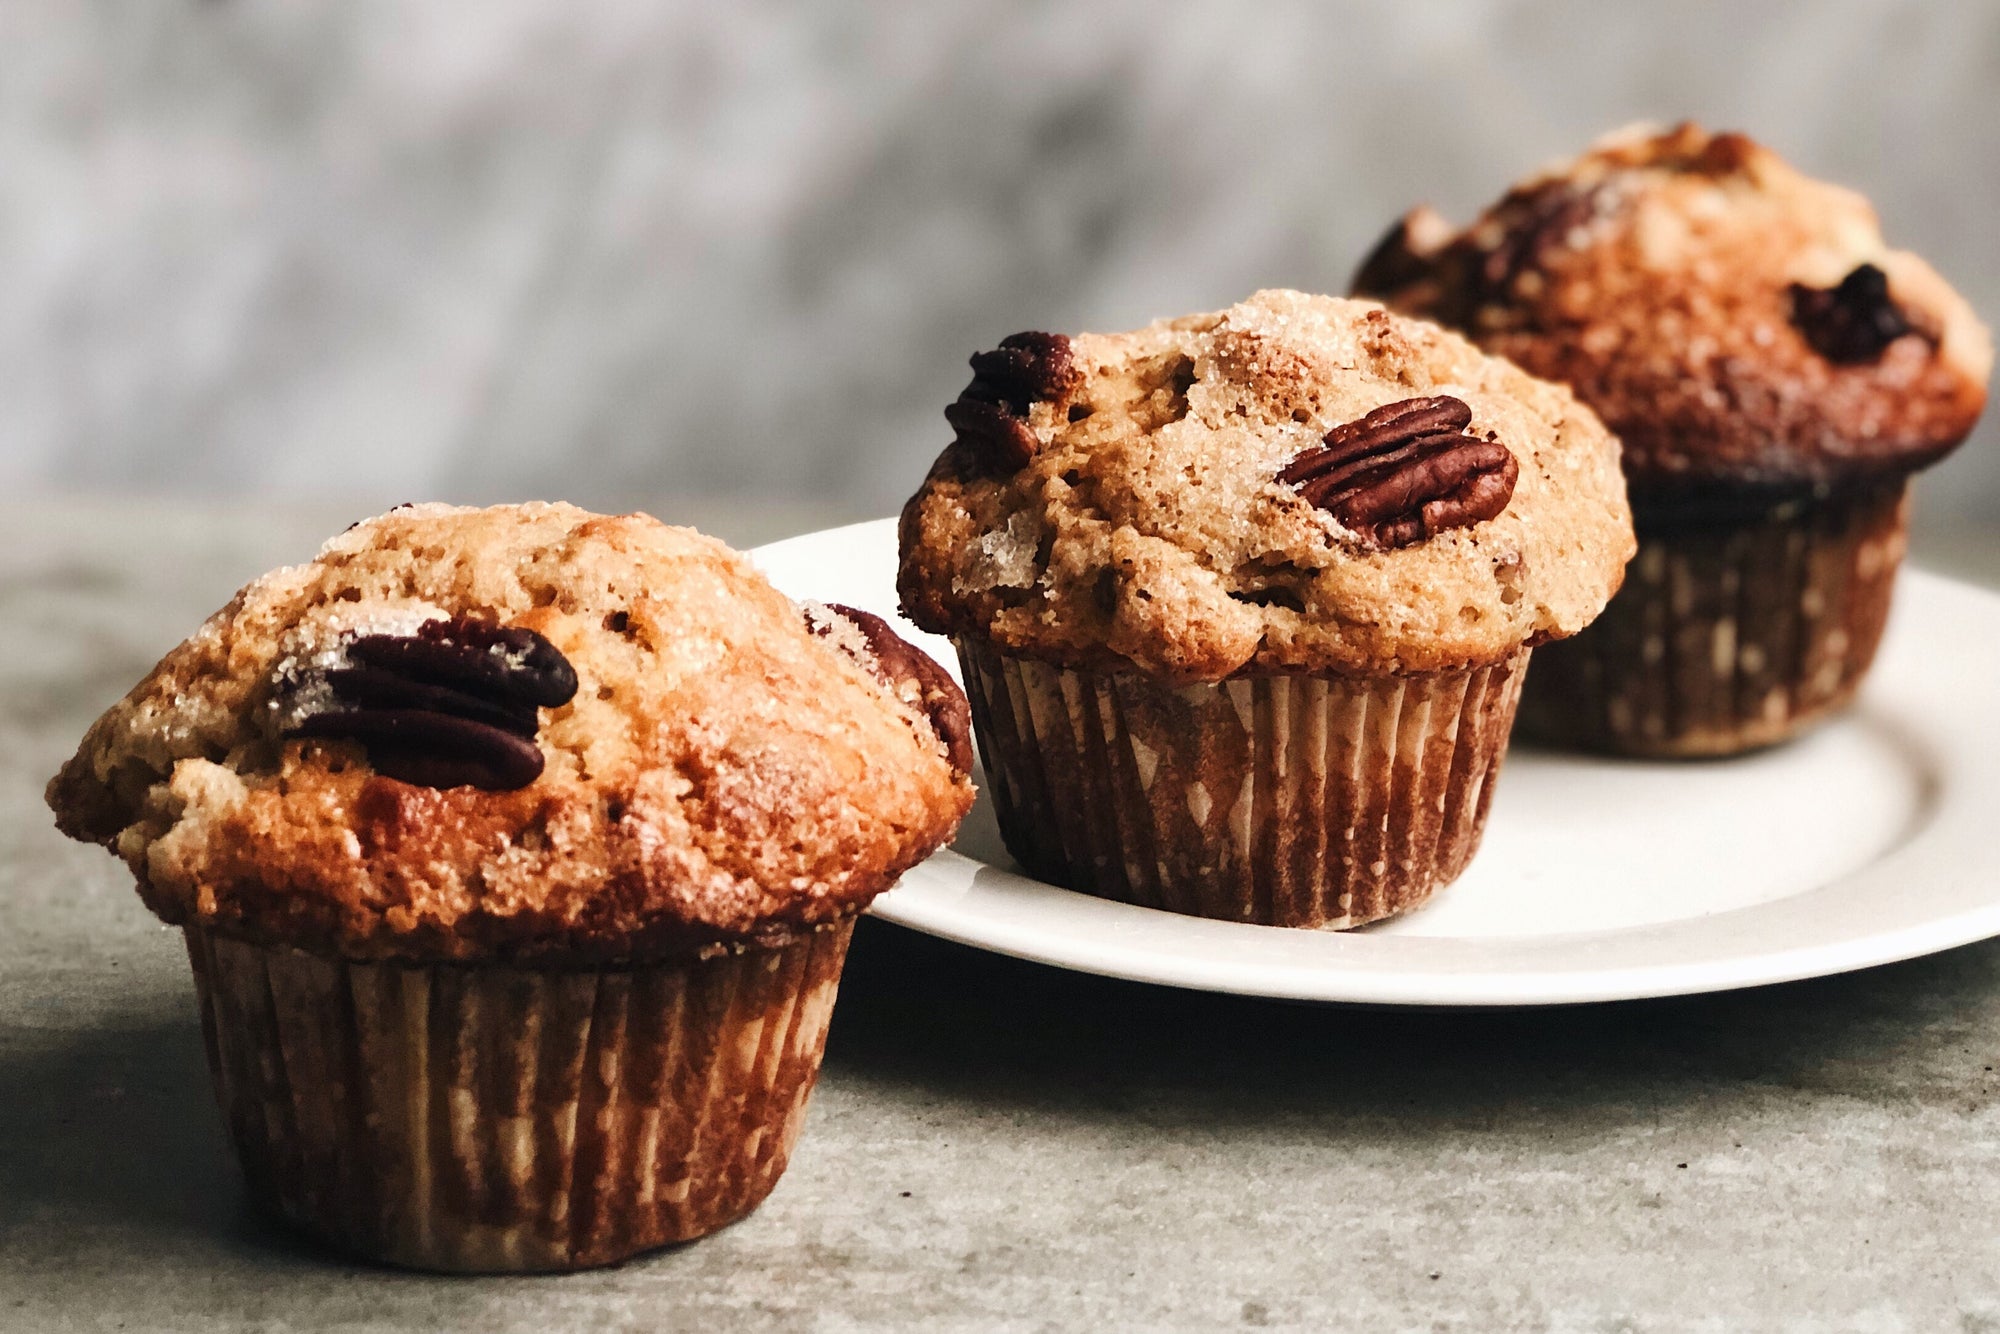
1775	372
1150	528
1731	320
517	851
722	773
1243	598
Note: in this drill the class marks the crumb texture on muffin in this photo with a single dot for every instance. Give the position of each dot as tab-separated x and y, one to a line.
1149	527
1730	319
722	774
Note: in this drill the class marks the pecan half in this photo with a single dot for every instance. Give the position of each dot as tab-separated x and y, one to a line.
1493	274
1533	223
455	705
991	414
898	663
1852	322
1406	472
1475	277
1406	254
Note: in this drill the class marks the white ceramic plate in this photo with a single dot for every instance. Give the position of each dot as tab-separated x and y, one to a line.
1876	838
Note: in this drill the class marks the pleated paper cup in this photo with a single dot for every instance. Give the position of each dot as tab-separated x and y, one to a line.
489	1118
1302	801
1728	636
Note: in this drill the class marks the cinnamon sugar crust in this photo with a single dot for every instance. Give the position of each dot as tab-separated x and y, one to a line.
723	775
1148	526
1714	306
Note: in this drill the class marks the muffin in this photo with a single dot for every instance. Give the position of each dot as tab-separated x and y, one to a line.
1244	600
517	852
1776	374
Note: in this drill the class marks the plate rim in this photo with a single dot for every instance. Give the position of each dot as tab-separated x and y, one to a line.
943	879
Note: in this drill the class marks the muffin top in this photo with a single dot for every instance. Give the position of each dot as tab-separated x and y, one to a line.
1296	484
1733	321
523	732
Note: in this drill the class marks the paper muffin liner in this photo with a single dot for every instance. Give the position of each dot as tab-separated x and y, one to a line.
494	1118
1305	801
1727	637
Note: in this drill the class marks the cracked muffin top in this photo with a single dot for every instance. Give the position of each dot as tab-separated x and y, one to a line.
522	732
1733	321
1295	484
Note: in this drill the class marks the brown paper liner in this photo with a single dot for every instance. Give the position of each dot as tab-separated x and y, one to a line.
1307	801
489	1118
1727	637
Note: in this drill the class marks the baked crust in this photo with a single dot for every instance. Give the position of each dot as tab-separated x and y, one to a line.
724	774
1148	528
1659	275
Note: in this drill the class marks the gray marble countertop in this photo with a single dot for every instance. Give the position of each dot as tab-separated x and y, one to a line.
1000	1145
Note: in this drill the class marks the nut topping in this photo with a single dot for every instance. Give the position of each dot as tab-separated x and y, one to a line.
455	705
991	413
1406	472
1851	323
1404	256
1474	275
1533	224
898	663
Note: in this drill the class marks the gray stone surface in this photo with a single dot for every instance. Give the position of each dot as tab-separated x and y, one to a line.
999	1145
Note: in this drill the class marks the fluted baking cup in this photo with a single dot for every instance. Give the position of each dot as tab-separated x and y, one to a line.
1728	636
1306	801
491	1118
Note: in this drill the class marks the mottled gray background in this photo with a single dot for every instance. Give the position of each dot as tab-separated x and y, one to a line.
630	252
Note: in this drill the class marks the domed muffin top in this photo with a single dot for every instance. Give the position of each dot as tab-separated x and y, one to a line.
522	732
1731	320
1296	484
